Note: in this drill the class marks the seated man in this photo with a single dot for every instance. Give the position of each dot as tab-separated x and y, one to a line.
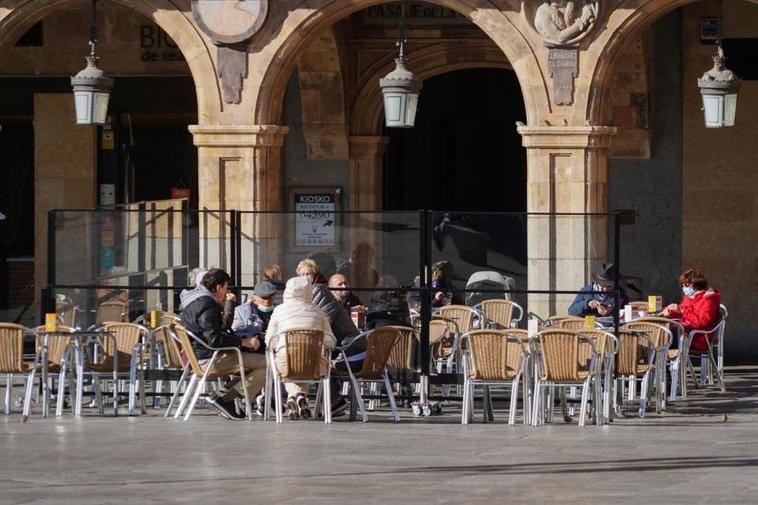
202	316
343	295
251	319
602	303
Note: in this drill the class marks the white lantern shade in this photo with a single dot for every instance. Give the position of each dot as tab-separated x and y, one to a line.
400	108
91	93
719	109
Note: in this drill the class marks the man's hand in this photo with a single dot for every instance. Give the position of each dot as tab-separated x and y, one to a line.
603	310
593	304
232	297
253	343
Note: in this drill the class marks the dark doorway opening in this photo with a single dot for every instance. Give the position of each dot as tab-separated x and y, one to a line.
464	152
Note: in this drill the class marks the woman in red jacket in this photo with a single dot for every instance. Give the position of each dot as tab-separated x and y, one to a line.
699	309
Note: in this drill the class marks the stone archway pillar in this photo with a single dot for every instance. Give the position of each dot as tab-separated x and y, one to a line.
567	172
239	167
365	194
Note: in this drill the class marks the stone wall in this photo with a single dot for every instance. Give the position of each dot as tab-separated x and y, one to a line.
652	248
720	180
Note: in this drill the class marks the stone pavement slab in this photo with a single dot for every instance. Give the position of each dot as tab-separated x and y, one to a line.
688	455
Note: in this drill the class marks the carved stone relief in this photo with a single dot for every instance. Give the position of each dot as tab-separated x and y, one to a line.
229	23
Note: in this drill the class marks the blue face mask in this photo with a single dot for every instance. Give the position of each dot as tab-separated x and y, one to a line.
688	291
265	309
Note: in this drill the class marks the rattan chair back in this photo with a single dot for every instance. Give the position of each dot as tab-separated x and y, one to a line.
659	334
186	347
304	351
559	349
12	348
171	351
403	354
570	324
628	356
462	315
500	312
110	312
66	311
379	345
126	335
639	306
441	337
602	342
56	346
494	355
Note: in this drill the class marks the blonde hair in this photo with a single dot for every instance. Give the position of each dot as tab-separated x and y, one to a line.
307	266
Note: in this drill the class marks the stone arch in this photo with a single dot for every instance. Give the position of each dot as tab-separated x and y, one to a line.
322	97
312	18
629	20
366	117
17	16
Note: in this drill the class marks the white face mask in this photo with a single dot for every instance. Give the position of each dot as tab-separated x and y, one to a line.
688	291
265	308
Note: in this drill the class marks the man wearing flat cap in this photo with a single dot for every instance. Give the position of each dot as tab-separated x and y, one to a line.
251	319
602	303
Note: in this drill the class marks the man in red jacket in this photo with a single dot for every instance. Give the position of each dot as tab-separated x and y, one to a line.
699	309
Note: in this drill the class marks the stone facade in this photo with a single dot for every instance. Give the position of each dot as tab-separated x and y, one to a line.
338	58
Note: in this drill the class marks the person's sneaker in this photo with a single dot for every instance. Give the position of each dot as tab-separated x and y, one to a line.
339	406
260	405
227	410
293	412
302	407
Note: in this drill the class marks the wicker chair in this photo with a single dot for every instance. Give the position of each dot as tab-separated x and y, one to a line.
710	362
122	346
403	357
499	314
58	358
661	337
12	362
642	353
492	357
380	343
113	311
306	360
606	345
201	373
571	323
559	365
554	320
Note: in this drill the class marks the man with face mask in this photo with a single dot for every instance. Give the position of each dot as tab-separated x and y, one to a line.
602	303
251	319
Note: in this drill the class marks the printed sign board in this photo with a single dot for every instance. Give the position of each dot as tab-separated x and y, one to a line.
315	218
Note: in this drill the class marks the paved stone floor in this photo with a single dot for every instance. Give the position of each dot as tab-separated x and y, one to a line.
689	455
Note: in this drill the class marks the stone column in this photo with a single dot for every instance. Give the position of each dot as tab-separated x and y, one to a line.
365	194
239	168
567	172
65	177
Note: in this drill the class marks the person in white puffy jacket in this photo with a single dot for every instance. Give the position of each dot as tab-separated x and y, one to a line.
297	311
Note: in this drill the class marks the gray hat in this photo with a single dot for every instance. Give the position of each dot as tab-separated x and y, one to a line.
264	289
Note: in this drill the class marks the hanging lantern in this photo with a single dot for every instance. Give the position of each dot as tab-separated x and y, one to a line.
400	87
92	87
719	87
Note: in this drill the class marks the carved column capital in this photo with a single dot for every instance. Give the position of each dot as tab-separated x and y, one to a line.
227	135
566	137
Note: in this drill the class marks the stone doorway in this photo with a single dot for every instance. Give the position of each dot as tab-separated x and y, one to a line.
464	152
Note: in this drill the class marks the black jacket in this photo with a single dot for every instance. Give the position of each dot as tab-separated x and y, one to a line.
203	318
339	318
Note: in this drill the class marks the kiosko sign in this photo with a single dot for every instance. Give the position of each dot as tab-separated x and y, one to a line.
315	220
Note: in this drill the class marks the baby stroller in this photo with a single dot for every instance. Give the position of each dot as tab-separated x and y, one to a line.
485	280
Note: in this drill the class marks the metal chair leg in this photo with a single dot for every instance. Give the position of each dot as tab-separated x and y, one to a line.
8	391
186	397
391	397
185	372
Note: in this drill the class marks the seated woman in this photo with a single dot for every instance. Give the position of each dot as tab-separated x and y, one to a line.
699	309
387	307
